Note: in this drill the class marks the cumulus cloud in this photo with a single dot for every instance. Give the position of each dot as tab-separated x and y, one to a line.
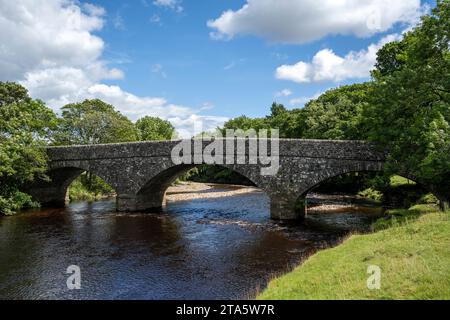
49	47
36	34
298	22
328	66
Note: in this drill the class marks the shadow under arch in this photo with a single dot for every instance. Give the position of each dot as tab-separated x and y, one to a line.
302	204
152	195
54	192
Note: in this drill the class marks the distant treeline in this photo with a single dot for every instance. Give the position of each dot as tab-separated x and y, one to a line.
404	108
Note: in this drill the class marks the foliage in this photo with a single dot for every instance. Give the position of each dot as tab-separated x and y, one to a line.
154	129
337	114
409	109
89	187
397	181
25	126
371	194
428	198
93	122
413	257
289	122
245	123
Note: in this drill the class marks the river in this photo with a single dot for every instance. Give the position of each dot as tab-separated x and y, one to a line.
219	247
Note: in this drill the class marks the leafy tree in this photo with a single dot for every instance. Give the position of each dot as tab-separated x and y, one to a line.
154	129
288	122
337	114
409	111
25	126
93	122
245	123
291	123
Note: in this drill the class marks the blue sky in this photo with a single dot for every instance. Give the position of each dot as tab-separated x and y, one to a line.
188	60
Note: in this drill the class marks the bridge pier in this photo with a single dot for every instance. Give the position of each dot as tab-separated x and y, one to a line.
50	196
138	203
288	209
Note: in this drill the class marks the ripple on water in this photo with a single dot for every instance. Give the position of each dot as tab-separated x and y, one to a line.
210	248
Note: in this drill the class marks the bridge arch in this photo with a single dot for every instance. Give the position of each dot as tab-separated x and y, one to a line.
151	194
54	192
326	176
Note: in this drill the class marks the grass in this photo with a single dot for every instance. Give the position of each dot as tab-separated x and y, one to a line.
77	192
412	249
397	181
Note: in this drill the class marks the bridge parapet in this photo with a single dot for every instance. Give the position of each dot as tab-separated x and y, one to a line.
141	172
329	149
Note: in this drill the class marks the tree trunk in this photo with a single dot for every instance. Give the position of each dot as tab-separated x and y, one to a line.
444	205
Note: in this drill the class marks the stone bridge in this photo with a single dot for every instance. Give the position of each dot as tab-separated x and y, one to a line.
141	172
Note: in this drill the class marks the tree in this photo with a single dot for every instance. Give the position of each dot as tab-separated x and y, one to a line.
409	112
25	126
290	123
245	123
337	114
93	122
154	129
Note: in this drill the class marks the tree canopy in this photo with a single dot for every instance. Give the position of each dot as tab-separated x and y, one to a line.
93	122
409	109
337	114
25	126
154	129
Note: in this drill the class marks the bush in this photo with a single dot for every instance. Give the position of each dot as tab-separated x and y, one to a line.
371	194
16	201
429	199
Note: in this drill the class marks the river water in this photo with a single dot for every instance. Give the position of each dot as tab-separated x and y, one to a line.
221	248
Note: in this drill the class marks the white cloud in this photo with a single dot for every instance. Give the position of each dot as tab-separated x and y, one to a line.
158	69
233	64
195	124
304	100
36	35
171	4
295	21
155	19
327	66
284	93
118	22
49	47
230	66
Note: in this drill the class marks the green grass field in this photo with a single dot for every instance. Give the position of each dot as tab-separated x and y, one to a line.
412	249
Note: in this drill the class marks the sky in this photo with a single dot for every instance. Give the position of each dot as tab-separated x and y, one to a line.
191	61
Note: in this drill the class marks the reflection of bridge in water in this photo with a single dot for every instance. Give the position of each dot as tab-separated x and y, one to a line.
141	172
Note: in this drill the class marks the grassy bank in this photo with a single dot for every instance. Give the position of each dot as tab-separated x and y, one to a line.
412	248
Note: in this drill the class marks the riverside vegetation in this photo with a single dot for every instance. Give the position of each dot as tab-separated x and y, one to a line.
404	108
410	246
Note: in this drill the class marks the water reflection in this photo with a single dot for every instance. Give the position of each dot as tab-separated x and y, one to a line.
222	248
